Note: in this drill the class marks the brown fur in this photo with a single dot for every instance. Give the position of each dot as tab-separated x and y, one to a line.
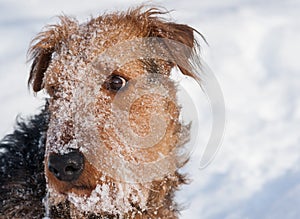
68	41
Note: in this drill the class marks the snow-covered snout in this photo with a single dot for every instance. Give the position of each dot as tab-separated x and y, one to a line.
114	129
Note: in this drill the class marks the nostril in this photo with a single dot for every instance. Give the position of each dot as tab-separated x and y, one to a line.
66	167
71	169
53	170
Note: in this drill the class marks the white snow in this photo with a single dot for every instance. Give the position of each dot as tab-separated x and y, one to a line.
116	200
254	52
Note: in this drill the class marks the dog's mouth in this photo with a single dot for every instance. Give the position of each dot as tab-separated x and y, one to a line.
76	187
82	187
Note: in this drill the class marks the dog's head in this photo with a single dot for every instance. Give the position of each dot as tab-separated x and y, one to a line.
114	118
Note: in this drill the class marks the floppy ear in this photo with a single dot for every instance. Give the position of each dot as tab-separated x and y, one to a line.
40	53
181	33
178	32
41	59
42	48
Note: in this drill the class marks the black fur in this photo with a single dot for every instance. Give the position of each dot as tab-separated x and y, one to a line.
22	180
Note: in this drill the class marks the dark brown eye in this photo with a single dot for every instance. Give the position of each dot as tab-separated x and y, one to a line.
115	83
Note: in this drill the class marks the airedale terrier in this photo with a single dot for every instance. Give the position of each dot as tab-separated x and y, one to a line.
108	142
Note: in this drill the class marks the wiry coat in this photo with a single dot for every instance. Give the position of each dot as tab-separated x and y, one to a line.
58	54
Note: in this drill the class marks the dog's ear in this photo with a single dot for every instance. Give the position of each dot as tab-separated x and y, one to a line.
181	33
42	48
41	59
178	32
40	53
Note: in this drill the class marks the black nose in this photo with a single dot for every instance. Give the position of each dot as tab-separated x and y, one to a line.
66	167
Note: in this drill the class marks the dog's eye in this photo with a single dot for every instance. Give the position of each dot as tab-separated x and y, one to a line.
115	83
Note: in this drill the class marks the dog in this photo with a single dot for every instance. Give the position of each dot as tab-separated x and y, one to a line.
106	144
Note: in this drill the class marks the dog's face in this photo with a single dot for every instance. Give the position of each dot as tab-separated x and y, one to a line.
114	123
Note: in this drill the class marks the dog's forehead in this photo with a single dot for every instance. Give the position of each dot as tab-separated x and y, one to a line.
85	43
89	39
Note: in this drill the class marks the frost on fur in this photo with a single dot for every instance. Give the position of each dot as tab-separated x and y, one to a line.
114	139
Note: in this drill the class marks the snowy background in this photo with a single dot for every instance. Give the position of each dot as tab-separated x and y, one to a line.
253	50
